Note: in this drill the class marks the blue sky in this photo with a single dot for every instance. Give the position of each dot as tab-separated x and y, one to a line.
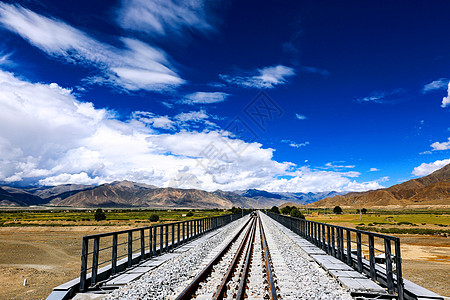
304	96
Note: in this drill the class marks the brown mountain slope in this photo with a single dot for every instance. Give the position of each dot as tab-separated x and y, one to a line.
126	194
433	189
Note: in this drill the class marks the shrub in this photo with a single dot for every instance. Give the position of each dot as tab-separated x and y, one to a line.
296	213
274	209
337	210
99	215
154	218
190	214
286	210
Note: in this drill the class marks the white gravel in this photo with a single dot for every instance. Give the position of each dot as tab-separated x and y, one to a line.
170	278
296	277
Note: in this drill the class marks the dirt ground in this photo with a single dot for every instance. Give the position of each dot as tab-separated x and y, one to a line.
50	256
45	256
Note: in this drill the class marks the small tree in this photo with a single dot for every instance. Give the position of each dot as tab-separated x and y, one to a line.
337	210
99	215
190	214
364	211
286	210
295	212
154	218
274	209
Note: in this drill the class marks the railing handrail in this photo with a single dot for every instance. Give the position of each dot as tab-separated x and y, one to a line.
146	227
149	244
375	234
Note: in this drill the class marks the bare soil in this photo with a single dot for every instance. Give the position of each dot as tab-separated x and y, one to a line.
45	256
50	256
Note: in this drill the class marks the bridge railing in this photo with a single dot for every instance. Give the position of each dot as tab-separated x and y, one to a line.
107	254
367	252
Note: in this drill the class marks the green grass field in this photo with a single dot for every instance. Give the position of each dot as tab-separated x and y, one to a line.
114	217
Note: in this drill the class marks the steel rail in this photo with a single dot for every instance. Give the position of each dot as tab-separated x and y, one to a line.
189	291
218	295
272	290
244	275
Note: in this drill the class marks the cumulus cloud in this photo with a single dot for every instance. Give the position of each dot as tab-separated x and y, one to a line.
446	100
50	137
160	17
135	66
204	98
441	146
374	170
428	168
265	78
439	84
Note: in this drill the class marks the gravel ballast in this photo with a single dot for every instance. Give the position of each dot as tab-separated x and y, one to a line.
296	276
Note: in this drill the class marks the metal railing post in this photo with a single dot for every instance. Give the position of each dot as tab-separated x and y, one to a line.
142	244
154	240
359	254
398	268
150	238
95	261
84	251
167	238
173	236
373	275
161	240
387	254
114	255
130	248
349	248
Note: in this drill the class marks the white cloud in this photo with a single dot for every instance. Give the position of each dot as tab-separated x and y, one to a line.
441	146
205	98
439	84
332	166
425	152
446	100
49	136
374	170
381	97
294	144
267	77
133	67
300	117
4	59
159	17
428	168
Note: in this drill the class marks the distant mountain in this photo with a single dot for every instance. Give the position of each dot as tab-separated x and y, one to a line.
433	189
131	194
266	199
128	194
46	192
10	196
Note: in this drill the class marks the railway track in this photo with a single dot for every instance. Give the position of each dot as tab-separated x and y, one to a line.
242	269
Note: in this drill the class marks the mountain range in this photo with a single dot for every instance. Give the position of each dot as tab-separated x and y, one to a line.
433	189
131	194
